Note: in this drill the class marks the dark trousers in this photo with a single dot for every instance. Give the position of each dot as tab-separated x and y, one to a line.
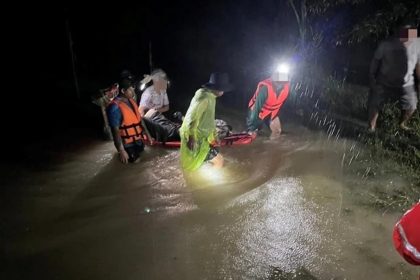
134	150
379	94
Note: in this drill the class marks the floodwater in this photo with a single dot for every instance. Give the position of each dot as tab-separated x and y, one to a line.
279	209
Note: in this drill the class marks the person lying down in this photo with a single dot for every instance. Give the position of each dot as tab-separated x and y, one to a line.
161	129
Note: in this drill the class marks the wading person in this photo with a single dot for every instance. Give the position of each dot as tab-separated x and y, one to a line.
198	130
264	106
124	120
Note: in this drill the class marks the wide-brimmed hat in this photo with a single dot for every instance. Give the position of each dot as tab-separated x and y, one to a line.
219	82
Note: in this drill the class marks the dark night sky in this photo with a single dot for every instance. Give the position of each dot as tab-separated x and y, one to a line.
188	40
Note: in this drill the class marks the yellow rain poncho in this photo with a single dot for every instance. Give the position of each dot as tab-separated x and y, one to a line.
198	123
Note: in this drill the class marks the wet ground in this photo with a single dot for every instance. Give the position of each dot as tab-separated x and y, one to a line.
281	209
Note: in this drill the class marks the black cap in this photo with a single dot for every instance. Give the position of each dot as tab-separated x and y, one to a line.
125	83
126	74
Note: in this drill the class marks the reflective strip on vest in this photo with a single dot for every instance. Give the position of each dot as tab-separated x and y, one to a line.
407	235
130	128
273	103
407	245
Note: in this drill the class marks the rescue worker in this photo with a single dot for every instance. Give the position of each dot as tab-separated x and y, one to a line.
198	130
126	74
407	235
103	99
125	122
264	106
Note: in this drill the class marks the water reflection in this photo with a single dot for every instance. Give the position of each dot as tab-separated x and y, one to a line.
273	225
278	209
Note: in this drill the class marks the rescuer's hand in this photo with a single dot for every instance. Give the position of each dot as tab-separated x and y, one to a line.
123	156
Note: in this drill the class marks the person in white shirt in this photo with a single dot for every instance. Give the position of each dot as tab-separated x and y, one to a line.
412	44
154	98
392	75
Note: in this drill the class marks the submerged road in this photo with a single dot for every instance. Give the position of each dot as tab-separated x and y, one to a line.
279	209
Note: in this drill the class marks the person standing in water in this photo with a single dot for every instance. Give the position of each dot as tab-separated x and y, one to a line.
198	130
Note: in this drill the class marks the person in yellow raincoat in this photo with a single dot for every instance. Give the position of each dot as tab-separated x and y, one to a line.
198	130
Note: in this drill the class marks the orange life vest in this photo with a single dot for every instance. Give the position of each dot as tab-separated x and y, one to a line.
130	129
273	102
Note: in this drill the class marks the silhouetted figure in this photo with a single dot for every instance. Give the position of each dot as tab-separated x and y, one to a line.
391	76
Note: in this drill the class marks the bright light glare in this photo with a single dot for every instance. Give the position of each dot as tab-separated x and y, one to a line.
283	68
143	86
212	174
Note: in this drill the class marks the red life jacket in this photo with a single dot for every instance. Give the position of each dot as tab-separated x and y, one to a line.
407	235
130	129
273	102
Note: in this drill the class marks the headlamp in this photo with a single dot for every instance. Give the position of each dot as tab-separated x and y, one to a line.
283	68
